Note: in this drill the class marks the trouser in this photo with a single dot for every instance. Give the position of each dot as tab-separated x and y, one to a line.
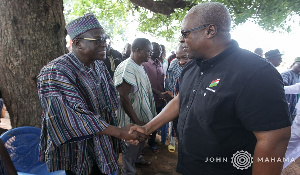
130	157
293	148
173	128
164	132
151	141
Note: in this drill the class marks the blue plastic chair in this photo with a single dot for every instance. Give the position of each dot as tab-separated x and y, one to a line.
22	144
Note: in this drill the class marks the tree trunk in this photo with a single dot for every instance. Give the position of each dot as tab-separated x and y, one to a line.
32	33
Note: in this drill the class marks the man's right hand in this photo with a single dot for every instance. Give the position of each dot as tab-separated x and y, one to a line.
140	129
136	129
133	136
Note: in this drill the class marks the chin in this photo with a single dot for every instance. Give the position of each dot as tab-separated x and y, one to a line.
102	57
195	57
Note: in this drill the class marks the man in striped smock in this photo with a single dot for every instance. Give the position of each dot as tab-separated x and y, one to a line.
137	101
79	100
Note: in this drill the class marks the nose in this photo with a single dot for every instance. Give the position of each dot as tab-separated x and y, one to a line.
103	44
181	39
180	62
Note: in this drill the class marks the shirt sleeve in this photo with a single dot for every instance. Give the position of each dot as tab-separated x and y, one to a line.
286	78
293	89
261	104
172	74
65	114
125	72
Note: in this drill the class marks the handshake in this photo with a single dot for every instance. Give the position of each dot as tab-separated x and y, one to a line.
134	134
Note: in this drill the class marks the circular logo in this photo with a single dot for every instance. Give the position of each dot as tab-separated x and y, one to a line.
242	160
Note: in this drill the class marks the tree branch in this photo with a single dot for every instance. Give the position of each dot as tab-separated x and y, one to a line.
165	7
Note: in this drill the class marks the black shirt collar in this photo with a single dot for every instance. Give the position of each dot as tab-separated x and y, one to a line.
210	62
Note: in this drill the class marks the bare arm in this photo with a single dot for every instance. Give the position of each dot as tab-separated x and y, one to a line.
270	145
123	133
169	113
124	90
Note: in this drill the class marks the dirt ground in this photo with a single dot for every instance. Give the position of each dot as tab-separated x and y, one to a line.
162	163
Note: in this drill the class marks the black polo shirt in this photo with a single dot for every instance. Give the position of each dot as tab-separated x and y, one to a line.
221	101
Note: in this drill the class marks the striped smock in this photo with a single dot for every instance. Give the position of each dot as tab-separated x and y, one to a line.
173	73
78	102
141	95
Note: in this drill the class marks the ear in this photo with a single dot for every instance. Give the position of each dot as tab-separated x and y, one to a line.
77	43
211	31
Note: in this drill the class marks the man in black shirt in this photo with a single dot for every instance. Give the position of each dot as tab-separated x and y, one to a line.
113	59
231	105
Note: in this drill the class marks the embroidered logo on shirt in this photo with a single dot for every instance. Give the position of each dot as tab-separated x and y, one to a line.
214	83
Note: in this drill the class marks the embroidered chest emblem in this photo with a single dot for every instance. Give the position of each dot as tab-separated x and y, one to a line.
214	83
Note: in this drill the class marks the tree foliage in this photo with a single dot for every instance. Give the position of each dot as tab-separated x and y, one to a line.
112	14
162	18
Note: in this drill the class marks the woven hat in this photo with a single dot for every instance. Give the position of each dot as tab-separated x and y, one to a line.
82	25
272	54
297	59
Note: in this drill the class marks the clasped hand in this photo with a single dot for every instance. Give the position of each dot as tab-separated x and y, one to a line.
133	135
140	131
167	96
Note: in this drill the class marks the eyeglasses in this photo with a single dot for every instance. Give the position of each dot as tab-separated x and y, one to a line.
185	33
99	41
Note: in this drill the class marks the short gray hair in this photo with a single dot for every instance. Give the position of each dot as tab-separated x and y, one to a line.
212	13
